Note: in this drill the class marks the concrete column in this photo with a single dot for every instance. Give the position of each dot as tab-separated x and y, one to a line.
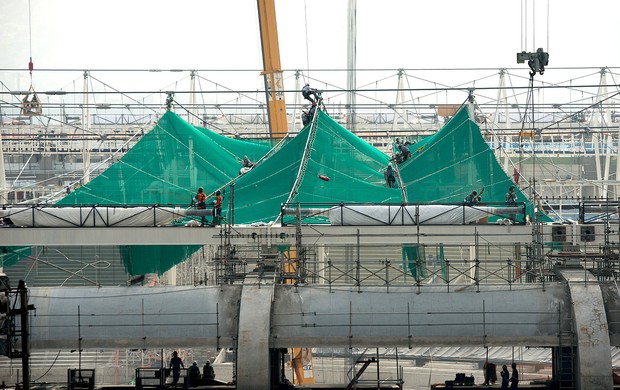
593	368
253	368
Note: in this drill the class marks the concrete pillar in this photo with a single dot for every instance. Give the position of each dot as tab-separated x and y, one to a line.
253	365
593	367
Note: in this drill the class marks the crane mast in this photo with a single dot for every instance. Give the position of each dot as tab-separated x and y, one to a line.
278	128
274	81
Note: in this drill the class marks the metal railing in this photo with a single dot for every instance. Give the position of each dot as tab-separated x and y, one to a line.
400	214
420	265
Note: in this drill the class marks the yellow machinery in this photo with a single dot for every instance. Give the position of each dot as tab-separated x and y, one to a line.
278	127
274	82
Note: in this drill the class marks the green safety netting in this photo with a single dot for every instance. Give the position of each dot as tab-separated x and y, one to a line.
339	167
174	158
166	166
9	255
448	165
416	261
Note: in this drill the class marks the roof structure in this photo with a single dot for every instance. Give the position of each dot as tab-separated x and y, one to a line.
325	164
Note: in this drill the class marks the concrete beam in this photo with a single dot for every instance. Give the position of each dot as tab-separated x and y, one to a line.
323	316
134	317
302	316
243	235
255	318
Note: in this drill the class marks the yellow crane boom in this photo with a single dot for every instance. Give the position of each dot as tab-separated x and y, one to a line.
274	82
278	127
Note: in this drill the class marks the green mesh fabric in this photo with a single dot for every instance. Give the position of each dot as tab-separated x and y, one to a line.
166	166
415	260
172	160
354	169
450	164
139	260
9	255
453	162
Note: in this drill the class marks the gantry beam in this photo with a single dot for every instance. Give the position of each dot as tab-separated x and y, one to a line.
314	234
529	314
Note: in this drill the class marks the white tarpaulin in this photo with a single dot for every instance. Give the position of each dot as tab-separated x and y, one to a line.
409	215
92	216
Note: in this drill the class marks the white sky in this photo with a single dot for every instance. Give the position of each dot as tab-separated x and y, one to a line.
209	34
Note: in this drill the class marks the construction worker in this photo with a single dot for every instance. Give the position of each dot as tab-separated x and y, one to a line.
201	199
308	115
247	163
201	203
390	179
306	91
217	209
175	364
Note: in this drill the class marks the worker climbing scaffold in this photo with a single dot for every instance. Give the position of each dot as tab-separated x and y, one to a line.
316	100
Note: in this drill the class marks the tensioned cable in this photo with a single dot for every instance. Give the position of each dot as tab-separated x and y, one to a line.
74	126
30	28
596	104
50	118
206	161
159	178
50	367
105	161
231	90
165	89
120	92
304	159
221	146
236	133
512	164
336	89
521	25
218	106
275	148
444	167
548	13
307	45
533	24
391	70
548	85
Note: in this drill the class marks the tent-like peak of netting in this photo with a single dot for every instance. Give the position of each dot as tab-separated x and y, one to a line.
167	166
450	164
340	167
324	164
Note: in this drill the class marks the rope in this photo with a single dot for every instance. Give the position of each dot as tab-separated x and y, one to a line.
50	367
30	64
304	158
403	189
105	161
548	12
